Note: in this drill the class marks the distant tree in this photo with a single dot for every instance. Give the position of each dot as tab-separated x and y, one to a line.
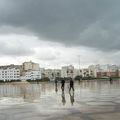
78	77
87	75
84	74
58	74
46	79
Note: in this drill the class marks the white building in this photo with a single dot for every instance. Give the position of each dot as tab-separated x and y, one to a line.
30	71
87	72
76	73
31	75
42	72
94	69
67	71
8	74
52	73
104	70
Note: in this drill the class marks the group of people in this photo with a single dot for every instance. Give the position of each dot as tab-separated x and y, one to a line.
71	85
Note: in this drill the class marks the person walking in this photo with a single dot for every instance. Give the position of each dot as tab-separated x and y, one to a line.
62	84
111	80
71	85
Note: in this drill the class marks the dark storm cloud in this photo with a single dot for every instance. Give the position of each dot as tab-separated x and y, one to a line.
92	23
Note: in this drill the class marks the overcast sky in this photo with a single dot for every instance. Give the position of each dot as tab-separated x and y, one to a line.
56	32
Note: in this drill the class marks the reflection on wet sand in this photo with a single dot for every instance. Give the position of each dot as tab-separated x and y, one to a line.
63	98
27	91
72	97
56	87
91	100
30	92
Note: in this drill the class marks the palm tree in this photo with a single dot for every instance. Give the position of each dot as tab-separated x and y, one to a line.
58	74
52	75
84	74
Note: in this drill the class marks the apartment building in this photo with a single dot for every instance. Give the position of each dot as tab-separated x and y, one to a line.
26	66
31	75
104	70
67	71
30	71
52	73
10	72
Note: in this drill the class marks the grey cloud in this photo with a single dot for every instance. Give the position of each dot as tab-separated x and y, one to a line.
17	49
47	58
47	54
15	30
92	23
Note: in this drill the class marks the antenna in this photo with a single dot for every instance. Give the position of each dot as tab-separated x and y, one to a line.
79	63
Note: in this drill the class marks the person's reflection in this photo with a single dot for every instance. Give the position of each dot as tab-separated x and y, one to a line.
72	97
23	92
56	87
111	80
62	84
63	98
80	79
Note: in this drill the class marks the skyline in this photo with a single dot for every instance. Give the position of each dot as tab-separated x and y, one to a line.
54	33
67	65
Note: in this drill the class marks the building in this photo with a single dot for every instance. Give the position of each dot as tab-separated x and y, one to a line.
52	73
93	70
10	72
118	72
27	66
86	72
76	72
67	71
70	71
42	73
30	71
57	73
104	70
31	75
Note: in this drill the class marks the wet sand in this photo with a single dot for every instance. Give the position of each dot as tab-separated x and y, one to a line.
92	100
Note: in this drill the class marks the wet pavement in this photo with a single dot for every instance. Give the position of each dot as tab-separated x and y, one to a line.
91	100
